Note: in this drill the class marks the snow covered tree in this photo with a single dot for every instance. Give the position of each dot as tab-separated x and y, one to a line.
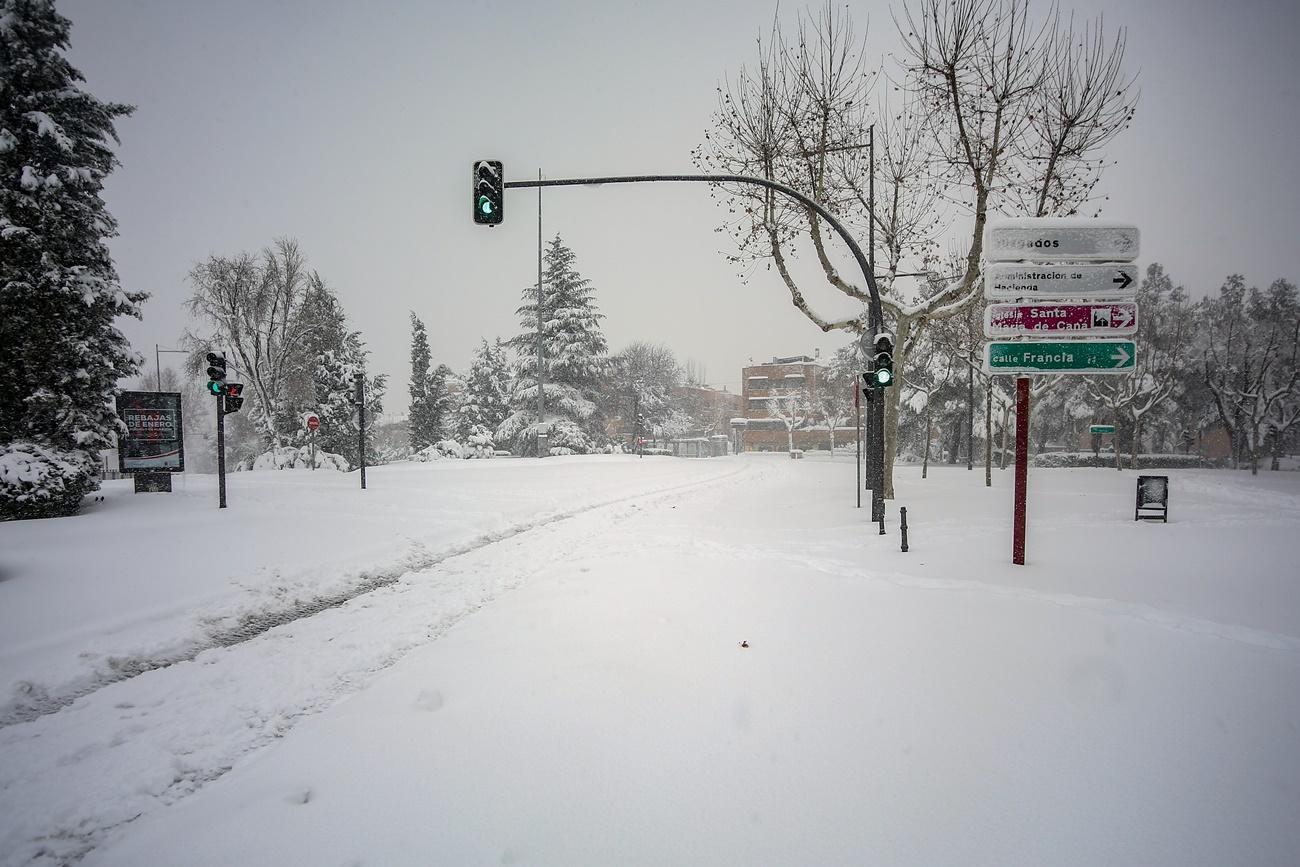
422	429
486	401
334	382
1251	361
441	406
59	291
575	361
1003	113
256	305
640	387
1164	331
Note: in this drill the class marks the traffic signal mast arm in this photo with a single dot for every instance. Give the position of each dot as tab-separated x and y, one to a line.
875	321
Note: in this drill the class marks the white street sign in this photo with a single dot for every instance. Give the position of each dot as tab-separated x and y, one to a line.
1008	281
1049	239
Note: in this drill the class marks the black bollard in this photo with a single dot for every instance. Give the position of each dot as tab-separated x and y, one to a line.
902	525
882	525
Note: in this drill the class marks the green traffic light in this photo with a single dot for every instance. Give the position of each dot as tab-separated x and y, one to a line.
485	205
215	387
884	377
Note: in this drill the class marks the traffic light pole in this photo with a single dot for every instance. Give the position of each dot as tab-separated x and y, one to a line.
361	414
221	453
875	316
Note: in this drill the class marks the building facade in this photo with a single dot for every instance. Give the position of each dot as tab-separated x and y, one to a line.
782	401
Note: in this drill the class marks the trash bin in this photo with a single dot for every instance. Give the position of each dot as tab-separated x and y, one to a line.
1152	499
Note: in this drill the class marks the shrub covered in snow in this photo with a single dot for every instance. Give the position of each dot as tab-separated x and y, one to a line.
439	451
290	458
40	482
479	443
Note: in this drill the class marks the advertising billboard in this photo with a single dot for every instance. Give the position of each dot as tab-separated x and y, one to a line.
153	441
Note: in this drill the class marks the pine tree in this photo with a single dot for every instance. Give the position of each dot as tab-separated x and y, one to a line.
323	378
486	401
575	361
423	432
441	404
59	291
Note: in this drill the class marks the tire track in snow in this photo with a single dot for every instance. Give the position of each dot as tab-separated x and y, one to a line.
34	700
69	781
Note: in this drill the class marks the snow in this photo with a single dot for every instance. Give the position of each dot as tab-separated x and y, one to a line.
532	688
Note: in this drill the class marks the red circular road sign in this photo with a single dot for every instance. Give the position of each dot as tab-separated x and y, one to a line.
313	422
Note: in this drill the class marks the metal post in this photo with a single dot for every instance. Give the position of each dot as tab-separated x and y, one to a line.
541	350
157	366
857	418
313	450
902	526
871	200
221	453
361	410
1022	470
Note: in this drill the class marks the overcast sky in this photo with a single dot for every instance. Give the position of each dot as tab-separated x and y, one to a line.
352	127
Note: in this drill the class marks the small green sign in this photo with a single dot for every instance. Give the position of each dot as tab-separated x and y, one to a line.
1102	429
1060	356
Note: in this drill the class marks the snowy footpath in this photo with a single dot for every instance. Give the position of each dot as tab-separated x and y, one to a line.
660	662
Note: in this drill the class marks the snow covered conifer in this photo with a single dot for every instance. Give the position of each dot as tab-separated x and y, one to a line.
441	404
486	400
422	429
574	364
60	352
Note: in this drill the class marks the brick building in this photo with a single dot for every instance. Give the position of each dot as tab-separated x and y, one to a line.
781	389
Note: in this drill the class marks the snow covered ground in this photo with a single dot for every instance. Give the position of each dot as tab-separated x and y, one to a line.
1128	697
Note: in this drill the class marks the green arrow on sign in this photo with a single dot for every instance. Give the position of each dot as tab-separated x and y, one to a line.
1060	356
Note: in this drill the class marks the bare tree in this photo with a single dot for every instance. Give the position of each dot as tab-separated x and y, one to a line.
969	138
1251	360
254	305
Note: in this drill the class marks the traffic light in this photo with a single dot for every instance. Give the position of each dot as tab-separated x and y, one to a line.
489	192
234	397
216	373
882	365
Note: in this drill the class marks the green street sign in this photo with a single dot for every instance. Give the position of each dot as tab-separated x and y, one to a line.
1060	356
1101	429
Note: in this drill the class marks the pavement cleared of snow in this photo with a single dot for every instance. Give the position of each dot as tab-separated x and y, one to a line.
1122	699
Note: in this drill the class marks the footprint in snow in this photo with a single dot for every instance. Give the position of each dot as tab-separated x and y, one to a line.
429	699
301	796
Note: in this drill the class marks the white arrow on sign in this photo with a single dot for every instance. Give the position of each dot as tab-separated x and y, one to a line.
1125	315
1119	356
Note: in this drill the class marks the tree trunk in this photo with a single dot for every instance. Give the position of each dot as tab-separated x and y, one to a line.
929	433
1137	440
1006	423
988	434
956	442
970	417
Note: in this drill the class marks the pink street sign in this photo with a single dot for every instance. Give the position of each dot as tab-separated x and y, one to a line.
1111	319
313	423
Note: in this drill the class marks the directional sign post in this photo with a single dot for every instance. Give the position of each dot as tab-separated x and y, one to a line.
1115	319
1091	357
1101	429
1007	281
1086	266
